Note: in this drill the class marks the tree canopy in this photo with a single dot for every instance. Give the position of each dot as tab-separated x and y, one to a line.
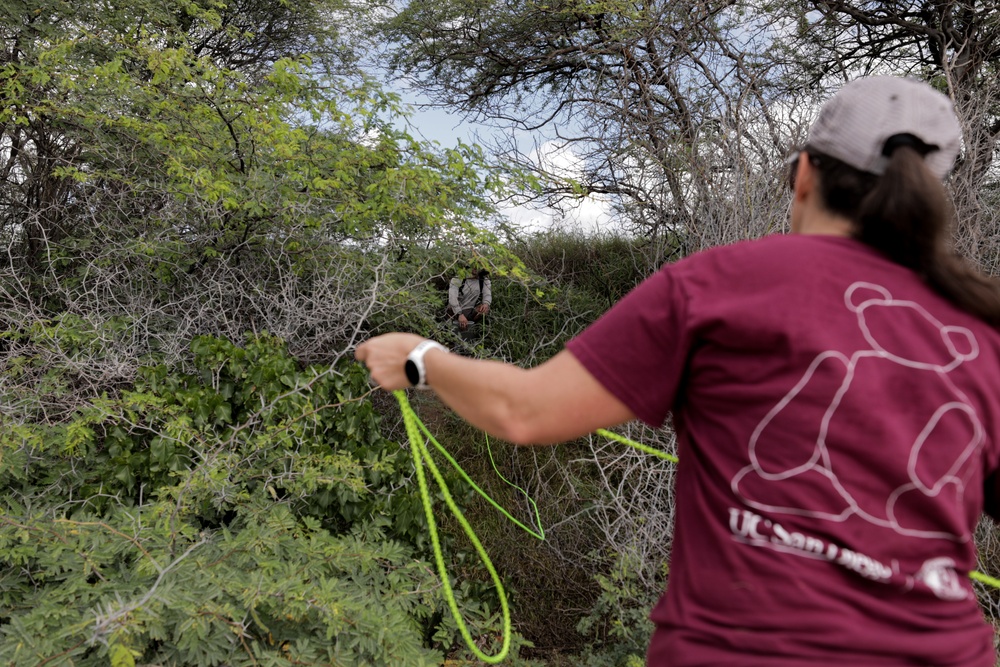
674	107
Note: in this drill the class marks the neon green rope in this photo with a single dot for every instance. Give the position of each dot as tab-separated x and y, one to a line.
642	448
985	578
421	458
539	533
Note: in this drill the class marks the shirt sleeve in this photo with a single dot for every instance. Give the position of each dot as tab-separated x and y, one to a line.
453	294
487	292
638	350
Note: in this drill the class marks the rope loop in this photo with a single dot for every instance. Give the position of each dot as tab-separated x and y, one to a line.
421	460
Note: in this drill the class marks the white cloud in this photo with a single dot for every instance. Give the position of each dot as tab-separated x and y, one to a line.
586	215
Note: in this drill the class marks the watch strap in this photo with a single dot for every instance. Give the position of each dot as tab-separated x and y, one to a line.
416	372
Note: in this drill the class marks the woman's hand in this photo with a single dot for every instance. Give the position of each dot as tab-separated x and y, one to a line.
385	357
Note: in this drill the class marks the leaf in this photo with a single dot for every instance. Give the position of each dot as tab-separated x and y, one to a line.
121	656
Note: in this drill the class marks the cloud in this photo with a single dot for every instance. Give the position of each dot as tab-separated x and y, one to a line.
586	215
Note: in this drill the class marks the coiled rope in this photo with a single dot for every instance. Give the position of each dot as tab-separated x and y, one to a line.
421	458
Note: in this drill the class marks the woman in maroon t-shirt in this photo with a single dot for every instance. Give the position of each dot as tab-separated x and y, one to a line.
836	398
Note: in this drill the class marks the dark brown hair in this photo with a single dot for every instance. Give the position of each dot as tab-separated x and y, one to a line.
905	214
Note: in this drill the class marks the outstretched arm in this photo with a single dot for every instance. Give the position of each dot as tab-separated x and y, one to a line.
556	401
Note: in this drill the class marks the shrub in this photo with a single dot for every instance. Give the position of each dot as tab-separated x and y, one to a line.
244	511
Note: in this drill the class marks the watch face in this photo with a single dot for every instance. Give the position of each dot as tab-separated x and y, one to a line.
412	374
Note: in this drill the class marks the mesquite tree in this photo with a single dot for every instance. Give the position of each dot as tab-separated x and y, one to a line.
662	102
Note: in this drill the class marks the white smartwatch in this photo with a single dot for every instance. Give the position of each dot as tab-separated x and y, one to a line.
414	367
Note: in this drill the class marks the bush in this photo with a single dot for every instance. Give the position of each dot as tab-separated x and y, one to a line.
247	511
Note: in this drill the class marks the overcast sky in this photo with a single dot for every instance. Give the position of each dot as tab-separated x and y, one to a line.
436	124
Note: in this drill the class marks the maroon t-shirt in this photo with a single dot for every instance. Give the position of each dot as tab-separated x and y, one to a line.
835	420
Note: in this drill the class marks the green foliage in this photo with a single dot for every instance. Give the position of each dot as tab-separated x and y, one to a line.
172	168
570	280
607	267
619	619
174	138
245	512
530	321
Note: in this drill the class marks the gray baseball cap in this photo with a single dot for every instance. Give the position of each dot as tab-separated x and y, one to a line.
854	125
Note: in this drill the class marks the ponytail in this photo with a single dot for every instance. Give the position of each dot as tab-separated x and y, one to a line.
904	213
